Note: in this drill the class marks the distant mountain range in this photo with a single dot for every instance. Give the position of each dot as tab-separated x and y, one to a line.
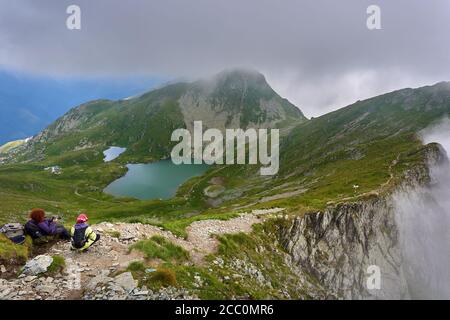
336	156
144	124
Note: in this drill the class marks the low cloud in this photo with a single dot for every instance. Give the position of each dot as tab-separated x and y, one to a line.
423	220
439	133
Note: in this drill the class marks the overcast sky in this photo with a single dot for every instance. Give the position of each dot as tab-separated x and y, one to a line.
317	53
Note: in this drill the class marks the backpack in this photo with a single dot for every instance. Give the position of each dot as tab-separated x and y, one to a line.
14	232
79	238
32	229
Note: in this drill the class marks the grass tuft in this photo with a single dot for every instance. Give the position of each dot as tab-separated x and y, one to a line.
136	266
114	234
58	265
158	247
163	278
11	253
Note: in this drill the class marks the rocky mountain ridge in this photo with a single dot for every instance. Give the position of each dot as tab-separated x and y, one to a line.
143	124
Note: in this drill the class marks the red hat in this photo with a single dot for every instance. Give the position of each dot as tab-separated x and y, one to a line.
82	218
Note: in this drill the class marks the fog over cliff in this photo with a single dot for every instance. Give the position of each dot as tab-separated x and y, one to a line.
423	219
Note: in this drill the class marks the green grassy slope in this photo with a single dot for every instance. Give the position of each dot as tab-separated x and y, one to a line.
348	153
368	145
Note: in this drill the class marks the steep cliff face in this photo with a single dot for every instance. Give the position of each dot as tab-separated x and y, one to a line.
338	245
423	220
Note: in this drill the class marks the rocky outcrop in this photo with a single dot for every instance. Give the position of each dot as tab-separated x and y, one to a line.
236	99
337	246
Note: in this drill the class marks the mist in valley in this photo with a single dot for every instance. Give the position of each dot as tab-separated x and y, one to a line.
423	220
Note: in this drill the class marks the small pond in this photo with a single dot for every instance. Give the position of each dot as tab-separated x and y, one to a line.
113	153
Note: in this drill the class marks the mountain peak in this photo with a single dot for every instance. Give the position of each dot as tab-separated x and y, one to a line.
242	73
240	77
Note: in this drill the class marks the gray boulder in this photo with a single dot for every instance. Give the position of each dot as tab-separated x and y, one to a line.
126	281
37	265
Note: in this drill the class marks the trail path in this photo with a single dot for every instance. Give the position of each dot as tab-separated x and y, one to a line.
377	191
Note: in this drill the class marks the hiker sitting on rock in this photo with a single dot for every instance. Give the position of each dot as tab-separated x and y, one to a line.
82	234
39	226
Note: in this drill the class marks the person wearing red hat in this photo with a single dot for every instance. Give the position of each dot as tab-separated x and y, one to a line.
82	234
82	218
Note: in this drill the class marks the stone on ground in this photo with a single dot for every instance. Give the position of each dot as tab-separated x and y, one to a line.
126	281
37	265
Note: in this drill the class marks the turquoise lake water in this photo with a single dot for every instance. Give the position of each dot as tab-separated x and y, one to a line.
158	180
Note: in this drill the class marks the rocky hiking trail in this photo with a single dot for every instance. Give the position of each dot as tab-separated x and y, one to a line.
95	274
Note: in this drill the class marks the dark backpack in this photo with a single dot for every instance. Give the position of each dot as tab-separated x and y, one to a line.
14	232
32	229
79	238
